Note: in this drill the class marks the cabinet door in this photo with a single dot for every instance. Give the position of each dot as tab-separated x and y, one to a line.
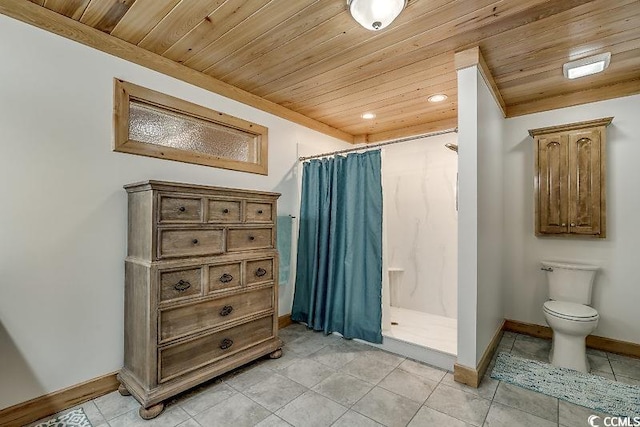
552	184
584	182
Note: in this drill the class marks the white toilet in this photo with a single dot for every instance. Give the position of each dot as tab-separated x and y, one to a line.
568	313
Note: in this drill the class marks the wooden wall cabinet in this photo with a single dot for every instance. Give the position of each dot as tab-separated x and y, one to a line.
201	287
570	170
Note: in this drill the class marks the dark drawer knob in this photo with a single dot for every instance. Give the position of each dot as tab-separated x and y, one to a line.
194	241
225	210
261	272
226	310
260	212
182	286
226	343
182	209
226	278
252	238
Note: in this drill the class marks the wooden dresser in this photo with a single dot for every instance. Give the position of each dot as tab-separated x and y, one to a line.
201	287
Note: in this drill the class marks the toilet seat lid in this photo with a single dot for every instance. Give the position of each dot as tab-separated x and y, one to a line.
571	310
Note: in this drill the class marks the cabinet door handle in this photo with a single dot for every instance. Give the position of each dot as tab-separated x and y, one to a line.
564	224
182	286
260	212
226	310
252	238
573	224
182	209
226	343
225	211
261	272
226	278
194	241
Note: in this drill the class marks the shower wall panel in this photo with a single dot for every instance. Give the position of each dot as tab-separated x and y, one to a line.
419	179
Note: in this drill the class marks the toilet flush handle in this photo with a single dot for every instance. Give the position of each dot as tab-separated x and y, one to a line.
546	268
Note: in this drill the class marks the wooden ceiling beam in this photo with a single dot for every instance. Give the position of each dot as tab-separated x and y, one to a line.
48	20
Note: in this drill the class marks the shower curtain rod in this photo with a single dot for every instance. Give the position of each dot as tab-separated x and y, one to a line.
369	147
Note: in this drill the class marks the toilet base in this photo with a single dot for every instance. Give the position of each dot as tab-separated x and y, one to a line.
569	351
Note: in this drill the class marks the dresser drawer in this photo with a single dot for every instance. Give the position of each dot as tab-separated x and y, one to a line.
184	320
258	212
184	357
224	276
242	239
223	211
175	285
190	242
180	209
259	271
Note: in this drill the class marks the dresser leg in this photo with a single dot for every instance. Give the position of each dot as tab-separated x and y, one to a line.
276	354
123	390
151	412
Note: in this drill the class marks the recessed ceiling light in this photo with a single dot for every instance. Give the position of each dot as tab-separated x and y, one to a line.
586	66
368	116
438	97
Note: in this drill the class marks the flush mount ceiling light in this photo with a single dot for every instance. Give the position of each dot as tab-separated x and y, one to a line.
438	97
368	116
374	15
586	66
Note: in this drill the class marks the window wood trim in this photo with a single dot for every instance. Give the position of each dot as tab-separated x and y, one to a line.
124	92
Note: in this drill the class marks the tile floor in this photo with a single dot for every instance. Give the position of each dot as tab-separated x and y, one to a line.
329	381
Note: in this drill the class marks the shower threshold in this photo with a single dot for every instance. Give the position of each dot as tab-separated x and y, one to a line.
422	336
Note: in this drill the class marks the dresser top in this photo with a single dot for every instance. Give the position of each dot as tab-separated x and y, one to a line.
203	189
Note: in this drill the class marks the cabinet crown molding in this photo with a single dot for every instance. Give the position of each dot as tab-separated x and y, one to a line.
605	121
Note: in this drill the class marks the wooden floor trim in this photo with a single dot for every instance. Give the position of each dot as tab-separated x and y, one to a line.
473	376
284	321
49	404
465	375
490	351
610	345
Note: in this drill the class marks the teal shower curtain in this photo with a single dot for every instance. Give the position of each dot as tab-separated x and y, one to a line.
339	268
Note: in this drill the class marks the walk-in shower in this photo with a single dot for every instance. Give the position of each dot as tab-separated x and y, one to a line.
419	188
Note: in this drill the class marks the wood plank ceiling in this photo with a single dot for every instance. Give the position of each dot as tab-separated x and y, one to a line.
311	57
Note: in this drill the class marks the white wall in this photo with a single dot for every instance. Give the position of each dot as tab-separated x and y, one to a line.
490	218
468	80
617	287
64	210
480	310
419	184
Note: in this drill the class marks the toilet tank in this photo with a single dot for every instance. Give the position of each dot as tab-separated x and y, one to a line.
570	282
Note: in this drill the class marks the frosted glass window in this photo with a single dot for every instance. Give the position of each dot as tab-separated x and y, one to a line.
161	127
153	124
